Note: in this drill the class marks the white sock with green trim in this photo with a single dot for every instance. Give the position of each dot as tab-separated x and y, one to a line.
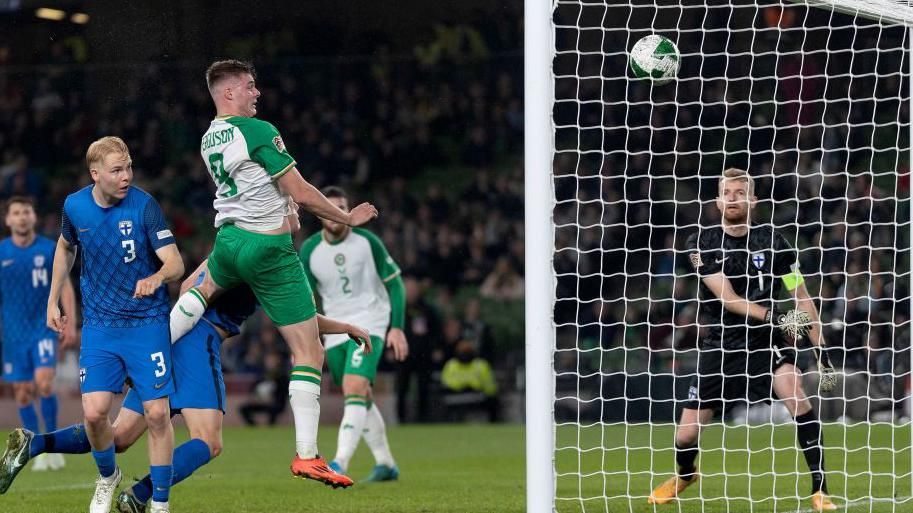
375	433
186	313
353	421
304	396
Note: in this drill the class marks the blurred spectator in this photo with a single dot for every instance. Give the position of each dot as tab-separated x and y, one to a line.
270	394
423	329
469	383
476	330
504	283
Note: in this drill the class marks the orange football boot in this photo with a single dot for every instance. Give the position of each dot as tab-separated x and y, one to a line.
317	469
669	490
821	502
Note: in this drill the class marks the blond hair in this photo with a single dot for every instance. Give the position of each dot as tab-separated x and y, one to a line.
741	175
101	148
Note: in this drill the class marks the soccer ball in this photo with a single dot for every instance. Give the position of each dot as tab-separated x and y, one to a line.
655	57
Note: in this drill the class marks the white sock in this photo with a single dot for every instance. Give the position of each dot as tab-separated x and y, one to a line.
304	396
353	421
186	313
375	433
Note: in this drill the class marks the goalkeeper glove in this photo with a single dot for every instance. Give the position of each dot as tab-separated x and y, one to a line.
826	369
794	324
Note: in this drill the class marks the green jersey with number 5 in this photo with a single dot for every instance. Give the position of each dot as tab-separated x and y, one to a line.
245	157
349	276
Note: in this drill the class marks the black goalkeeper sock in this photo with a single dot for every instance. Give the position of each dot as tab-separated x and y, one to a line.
808	432
685	457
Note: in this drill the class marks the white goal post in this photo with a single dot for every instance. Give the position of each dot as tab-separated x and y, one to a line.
768	85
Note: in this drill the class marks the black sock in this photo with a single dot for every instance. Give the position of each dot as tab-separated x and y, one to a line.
808	432
685	457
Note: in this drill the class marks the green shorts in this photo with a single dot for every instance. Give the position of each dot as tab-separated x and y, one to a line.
348	358
270	266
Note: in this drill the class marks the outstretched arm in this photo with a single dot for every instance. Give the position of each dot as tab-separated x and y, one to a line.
328	326
312	200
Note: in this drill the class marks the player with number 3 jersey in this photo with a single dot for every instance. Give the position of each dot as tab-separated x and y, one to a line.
128	254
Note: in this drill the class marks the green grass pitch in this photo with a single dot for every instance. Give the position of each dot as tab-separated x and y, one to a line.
446	468
480	468
759	471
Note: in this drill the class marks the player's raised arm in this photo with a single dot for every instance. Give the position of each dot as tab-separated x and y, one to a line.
308	197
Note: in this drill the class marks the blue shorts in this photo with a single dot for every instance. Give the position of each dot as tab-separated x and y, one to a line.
21	359
111	355
198	379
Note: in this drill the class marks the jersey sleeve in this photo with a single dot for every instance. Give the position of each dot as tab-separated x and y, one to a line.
703	260
786	263
384	264
67	230
265	146
156	228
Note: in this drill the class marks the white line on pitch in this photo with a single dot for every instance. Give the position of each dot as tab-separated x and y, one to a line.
859	502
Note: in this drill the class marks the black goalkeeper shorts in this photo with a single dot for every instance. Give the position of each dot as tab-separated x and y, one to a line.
735	375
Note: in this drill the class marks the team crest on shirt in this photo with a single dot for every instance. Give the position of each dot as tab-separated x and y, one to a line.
758	259
340	259
126	227
695	260
39	260
82	375
277	142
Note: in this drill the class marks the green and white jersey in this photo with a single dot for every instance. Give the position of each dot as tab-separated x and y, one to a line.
349	275
245	157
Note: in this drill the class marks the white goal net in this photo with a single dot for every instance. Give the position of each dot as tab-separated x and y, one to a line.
813	100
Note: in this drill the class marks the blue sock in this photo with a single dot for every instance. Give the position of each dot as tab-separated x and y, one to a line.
29	418
188	457
69	440
49	412
161	476
105	461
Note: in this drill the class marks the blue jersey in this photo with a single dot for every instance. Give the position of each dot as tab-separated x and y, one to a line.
231	309
117	245
25	282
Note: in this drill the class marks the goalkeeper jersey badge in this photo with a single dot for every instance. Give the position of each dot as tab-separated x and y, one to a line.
696	260
758	259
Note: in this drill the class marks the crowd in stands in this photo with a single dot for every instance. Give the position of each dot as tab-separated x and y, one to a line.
637	174
434	140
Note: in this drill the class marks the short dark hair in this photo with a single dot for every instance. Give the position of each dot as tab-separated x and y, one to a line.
22	200
228	68
334	191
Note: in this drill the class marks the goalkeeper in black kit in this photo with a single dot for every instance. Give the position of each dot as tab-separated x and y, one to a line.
749	351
